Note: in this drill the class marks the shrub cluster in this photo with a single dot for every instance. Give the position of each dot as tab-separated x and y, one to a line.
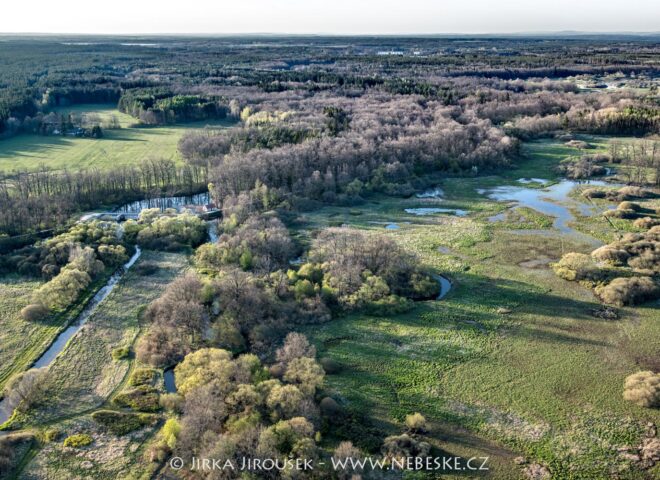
643	388
167	230
143	398
624	272
121	423
253	415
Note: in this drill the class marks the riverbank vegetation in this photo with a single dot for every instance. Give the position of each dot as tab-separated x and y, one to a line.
406	262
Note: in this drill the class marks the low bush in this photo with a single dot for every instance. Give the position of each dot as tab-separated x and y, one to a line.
628	291
146	268
627	205
120	423
330	366
578	144
646	222
142	376
121	353
34	312
630	193
330	408
583	167
625	214
416	423
143	398
609	254
404	446
577	266
643	388
172	402
52	434
78	440
594	193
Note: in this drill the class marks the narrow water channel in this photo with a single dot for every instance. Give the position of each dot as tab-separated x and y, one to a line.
213	230
63	338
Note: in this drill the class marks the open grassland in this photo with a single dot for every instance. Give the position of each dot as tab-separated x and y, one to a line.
512	355
22	342
84	375
108	457
125	146
18	336
105	114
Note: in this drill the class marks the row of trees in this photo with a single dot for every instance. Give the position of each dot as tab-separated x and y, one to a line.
640	159
69	262
46	199
158	107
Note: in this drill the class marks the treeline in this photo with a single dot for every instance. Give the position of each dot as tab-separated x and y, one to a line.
199	147
88	125
158	106
642	160
69	263
45	199
39	74
27	112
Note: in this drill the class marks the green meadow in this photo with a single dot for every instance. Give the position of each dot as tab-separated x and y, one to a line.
513	355
125	146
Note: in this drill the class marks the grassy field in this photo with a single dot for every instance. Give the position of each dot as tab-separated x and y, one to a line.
108	457
23	342
512	355
104	113
125	146
84	378
85	375
15	293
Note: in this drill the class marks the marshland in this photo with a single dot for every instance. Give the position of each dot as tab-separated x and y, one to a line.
302	248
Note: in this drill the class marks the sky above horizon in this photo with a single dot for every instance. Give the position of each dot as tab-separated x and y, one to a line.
329	16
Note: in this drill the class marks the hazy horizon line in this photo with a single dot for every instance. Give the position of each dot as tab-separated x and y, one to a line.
331	34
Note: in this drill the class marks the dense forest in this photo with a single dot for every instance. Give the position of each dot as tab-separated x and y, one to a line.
316	123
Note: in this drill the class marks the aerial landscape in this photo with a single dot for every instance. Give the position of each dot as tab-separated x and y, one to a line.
319	256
